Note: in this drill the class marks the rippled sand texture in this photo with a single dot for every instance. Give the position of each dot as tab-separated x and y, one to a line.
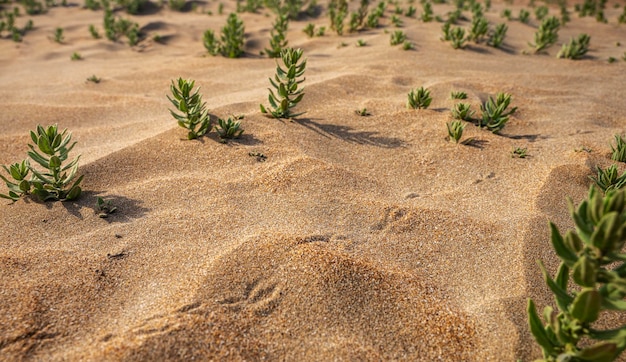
358	238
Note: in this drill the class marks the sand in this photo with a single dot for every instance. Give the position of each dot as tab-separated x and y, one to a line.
356	238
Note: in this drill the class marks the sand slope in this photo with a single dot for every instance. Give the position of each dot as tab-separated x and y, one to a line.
357	238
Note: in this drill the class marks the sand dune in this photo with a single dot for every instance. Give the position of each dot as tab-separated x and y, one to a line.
355	238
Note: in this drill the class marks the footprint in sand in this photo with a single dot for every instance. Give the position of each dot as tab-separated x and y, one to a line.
261	296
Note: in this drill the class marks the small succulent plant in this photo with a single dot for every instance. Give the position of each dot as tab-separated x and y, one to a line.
231	40
494	113
19	185
50	150
524	16
76	56
363	112
619	150
278	36
94	79
194	116
592	258
608	179
104	208
229	128
397	37
462	111
576	48
479	29
519	152
419	98
458	95
455	130
496	37
58	35
286	82
547	34
457	37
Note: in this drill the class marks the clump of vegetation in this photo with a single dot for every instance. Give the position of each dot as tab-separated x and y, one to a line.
76	56
114	27
457	37
286	82
177	5
524	16
427	12
132	6
506	13
455	130
94	32
458	95
337	11
104	208
608	179
541	12
278	36
593	254
94	79
358	18
547	34
479	29
576	48
496	38
194	116
58	35
419	98
230	128
462	111
363	112
19	185
397	37
619	150
519	152
231	41
494	113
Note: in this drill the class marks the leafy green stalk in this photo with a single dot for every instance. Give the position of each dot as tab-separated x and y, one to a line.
419	98
194	117
286	93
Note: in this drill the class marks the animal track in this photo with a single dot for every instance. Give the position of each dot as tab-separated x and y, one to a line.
259	296
392	214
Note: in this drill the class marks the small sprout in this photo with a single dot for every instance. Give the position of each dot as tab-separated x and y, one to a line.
407	45
20	185
462	111
608	180
157	38
104	208
194	117
496	38
506	13
455	130
361	43
58	35
494	115
94	33
457	37
458	95
94	79
397	37
309	30
524	16
619	150
519	152
396	21
286	84
230	128
576	48
363	112
410	11
547	34
419	98
611	60
76	56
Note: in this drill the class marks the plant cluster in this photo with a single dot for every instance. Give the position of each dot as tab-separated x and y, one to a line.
496	36
479	29
591	258
419	98
619	150
547	34
104	208
231	40
608	179
592	8
524	16
229	128
132	6
455	35
494	112
286	82
310	30
397	37
427	12
358	18
194	116
50	150
541	12
455	130
115	27
278	36
458	95
292	8
337	11
462	111
576	48
519	152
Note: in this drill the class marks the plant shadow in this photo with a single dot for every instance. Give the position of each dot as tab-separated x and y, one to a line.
127	209
348	134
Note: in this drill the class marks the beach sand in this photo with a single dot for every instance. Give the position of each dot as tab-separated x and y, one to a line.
355	238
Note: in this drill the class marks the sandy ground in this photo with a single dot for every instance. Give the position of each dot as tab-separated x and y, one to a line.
358	238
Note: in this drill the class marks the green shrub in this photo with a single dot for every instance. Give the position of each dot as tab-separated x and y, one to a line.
457	37
462	111
427	12
114	27
458	95
547	34
593	254
608	179
58	35
410	11
286	82
494	114
278	36
524	16
576	48
479	29
52	150
419	98
397	37
194	117
337	11
455	130
496	38
76	56
19	185
519	152
94	33
309	30
396	21
231	41
541	12
230	128
619	151
506	13
94	79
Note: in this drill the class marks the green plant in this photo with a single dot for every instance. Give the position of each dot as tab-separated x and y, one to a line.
397	37
58	35
357	18
231	41
396	21
76	56
524	16
131	6
410	11
564	13
194	117
519	152
619	151
278	36
177	5
427	12
114	27
337	11
52	183
457	37
104	207
419	98
608	179
547	34
94	33
92	4
622	17
494	114
541	12
458	95
593	254
20	185
496	37
407	45
363	112
286	84
479	29
361	43
576	48
462	111
94	79
506	13
230	128
611	60
309	30
455	130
